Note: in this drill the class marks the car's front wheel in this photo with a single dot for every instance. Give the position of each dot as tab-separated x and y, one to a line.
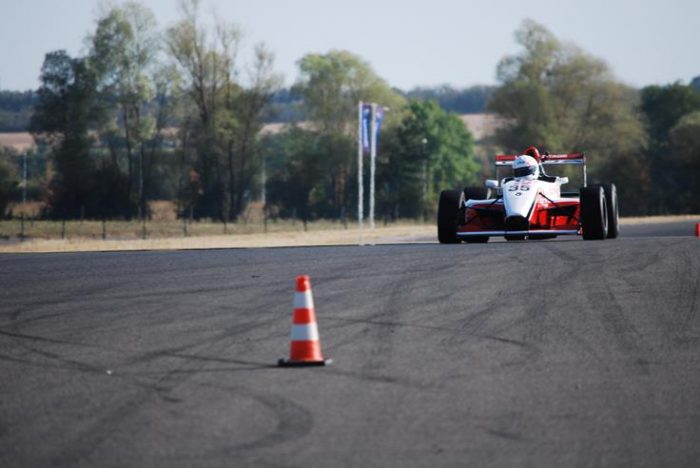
594	213
449	211
612	209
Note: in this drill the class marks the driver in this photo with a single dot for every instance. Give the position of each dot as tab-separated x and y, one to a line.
526	166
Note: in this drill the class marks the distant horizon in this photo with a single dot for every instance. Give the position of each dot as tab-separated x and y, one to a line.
416	44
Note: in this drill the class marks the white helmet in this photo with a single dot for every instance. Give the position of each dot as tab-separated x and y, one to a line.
526	166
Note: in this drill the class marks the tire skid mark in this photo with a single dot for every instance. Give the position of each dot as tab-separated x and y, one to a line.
580	342
141	358
507	426
642	263
381	337
511	436
293	421
534	320
567	258
602	299
531	324
383	379
379	327
24	336
178	351
384	323
532	351
498	309
87	441
688	280
16	323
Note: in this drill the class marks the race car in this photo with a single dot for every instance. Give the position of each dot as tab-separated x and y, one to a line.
528	204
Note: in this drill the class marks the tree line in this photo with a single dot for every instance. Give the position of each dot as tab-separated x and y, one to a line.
152	114
285	105
561	98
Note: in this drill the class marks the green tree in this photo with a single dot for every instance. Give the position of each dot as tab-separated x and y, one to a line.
16	110
243	118
229	114
8	180
206	63
664	108
695	83
432	151
665	105
123	58
685	164
64	112
331	85
472	100
296	170
559	98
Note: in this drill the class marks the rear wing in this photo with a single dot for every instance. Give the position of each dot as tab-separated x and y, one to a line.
577	159
574	159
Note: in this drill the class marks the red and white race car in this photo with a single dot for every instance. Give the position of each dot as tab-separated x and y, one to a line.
529	204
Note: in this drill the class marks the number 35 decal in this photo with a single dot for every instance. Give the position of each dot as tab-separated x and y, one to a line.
522	186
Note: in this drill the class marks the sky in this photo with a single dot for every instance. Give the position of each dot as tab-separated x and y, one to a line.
409	43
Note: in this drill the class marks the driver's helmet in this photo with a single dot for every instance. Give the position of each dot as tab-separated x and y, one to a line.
525	166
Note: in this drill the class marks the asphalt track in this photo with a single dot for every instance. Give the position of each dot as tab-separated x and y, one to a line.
549	353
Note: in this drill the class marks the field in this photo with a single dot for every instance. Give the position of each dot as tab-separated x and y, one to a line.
75	236
55	236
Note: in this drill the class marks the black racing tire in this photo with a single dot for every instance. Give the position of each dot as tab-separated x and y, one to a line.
449	211
476	193
613	209
594	213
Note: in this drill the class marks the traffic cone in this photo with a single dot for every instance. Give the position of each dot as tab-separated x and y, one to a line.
697	229
305	347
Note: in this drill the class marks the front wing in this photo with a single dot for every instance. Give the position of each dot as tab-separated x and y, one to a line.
547	218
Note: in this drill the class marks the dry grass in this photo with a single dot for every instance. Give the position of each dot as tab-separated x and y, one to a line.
19	141
124	230
352	236
31	209
163	235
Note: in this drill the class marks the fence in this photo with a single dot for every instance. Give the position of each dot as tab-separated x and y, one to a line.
20	228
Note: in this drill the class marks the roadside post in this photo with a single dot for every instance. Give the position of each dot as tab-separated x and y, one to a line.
360	153
370	117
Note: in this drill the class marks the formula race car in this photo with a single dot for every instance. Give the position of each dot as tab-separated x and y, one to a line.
529	204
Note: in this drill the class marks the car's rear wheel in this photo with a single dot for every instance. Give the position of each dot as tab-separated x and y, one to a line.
594	213
449	211
612	208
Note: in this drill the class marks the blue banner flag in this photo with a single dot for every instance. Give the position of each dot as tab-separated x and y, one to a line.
366	124
378	123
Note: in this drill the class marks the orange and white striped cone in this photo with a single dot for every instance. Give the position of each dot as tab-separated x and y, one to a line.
305	347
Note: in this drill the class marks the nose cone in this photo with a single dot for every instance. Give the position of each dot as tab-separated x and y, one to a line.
518	197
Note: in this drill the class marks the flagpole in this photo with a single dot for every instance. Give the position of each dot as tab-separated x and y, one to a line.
373	159
360	188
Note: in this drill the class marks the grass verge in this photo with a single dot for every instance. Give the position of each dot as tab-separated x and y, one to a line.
45	236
